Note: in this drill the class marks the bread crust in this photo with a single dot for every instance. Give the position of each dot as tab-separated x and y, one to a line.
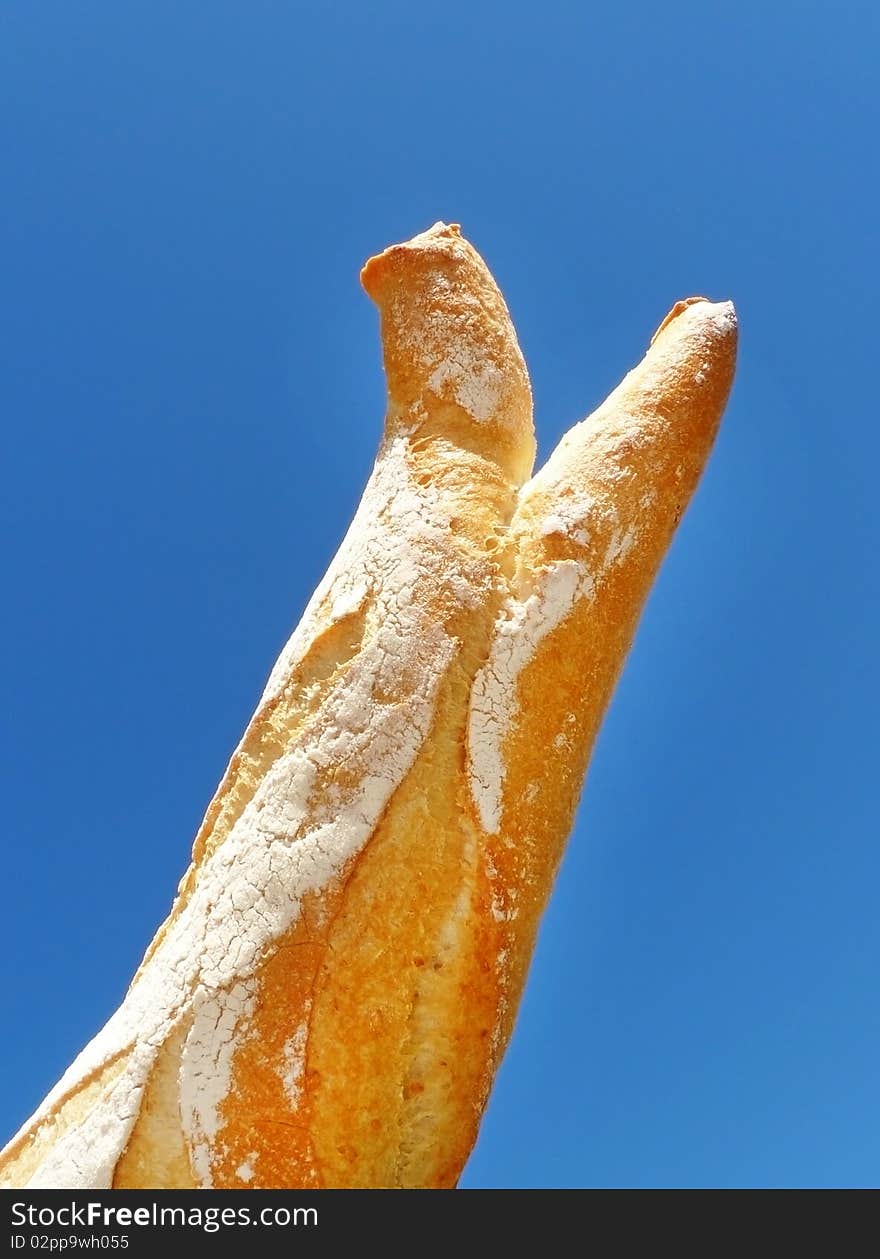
329	999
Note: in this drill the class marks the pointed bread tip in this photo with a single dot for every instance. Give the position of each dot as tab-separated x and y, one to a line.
722	314
439	239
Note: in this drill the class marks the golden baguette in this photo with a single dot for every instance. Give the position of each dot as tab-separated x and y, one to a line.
331	995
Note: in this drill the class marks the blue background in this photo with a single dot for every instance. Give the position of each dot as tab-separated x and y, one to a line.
191	399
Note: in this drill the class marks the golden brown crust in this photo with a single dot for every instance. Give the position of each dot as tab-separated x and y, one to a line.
330	997
600	514
452	362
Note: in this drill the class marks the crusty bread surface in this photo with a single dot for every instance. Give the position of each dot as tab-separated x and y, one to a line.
329	999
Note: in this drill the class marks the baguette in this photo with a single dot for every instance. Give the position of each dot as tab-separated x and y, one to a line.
329	999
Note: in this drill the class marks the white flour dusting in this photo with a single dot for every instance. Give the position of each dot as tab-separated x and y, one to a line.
475	384
567	517
245	1171
294	1064
622	542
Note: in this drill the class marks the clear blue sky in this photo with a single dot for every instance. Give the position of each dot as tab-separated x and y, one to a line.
191	396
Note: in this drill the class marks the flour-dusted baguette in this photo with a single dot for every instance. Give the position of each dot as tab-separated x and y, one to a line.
586	540
331	994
